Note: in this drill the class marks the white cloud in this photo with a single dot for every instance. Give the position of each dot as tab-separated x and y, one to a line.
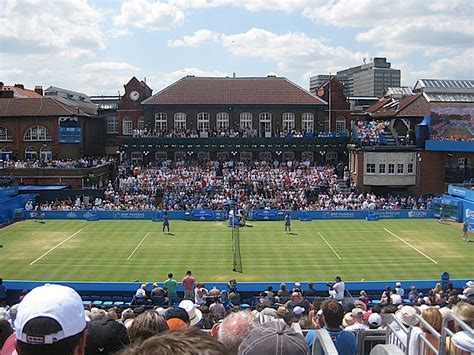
403	26
51	29
109	66
118	32
199	38
457	67
291	51
159	82
150	16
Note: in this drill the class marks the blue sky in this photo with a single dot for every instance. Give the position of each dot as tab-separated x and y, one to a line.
96	46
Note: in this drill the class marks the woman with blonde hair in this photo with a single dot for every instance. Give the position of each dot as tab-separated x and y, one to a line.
417	345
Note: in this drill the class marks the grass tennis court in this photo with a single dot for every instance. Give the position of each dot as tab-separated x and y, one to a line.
78	250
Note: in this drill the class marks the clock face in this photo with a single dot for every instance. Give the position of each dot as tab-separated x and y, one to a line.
134	95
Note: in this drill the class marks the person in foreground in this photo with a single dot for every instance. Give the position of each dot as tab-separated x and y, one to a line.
332	315
51	320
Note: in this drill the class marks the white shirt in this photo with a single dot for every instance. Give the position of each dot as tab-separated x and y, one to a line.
140	293
356	326
396	298
339	288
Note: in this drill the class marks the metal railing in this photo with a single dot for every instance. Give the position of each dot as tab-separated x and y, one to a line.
368	339
446	334
397	333
323	344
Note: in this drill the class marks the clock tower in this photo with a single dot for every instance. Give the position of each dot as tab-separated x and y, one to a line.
130	113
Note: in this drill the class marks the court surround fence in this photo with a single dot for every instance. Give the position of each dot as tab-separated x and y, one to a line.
210	215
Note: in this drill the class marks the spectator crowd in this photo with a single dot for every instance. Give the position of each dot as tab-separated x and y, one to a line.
370	132
255	185
52	319
86	162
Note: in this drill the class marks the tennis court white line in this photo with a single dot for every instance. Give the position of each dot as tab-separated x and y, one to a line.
411	246
329	245
138	246
57	246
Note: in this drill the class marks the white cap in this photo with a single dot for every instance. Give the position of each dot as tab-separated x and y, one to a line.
297	284
375	320
60	303
298	310
398	284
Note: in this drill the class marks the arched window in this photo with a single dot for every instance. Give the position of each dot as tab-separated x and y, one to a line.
5	135
307	122
179	121
265	119
37	133
161	121
31	154
203	122
222	121
46	153
112	125
246	121
141	123
5	153
288	121
340	124
127	126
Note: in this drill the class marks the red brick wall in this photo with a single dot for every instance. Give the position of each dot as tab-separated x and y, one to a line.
431	172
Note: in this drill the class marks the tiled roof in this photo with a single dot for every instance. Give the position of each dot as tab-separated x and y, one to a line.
233	91
43	106
392	107
21	93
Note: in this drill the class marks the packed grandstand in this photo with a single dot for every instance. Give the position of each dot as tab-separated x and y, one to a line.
182	185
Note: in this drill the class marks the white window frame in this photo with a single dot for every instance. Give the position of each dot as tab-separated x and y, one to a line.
127	126
341	124
112	125
370	168
246	121
203	122
141	123
5	135
161	121
391	168
307	122
30	151
179	121
6	153
222	121
37	134
266	119
46	154
327	124
288	121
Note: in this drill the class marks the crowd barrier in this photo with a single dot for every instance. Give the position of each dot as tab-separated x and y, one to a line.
94	215
272	215
210	215
351	286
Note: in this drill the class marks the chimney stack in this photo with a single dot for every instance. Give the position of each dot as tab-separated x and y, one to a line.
233	75
20	86
39	89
